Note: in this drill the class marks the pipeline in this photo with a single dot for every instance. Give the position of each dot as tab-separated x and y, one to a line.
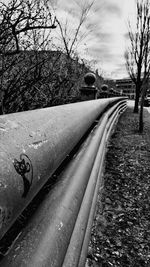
32	146
58	233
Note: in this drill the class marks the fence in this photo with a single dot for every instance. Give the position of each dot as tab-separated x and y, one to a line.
33	145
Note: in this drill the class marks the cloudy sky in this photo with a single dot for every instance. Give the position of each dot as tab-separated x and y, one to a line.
105	31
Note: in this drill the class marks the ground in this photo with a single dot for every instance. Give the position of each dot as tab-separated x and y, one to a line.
121	229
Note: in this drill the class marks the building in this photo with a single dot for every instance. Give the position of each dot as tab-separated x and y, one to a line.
126	87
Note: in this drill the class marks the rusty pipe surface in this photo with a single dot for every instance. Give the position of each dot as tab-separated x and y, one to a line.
45	240
32	146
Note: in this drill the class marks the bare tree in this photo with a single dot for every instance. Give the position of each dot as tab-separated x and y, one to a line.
24	25
72	38
32	74
18	18
138	55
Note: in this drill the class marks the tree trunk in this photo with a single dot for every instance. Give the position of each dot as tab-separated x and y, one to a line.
137	96
141	123
2	103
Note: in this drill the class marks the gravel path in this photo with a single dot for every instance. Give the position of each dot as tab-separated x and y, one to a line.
121	229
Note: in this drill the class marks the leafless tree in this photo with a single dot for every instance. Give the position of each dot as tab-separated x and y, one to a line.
24	25
138	55
32	74
72	38
18	18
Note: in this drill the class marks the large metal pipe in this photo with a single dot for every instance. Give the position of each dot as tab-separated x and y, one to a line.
75	246
32	146
45	240
114	118
98	189
99	186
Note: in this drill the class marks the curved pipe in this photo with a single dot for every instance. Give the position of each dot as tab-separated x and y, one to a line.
33	144
54	221
50	235
74	250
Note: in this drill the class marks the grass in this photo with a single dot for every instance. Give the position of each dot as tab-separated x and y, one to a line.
121	229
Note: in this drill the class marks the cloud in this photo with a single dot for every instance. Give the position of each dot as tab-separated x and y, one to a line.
126	36
120	71
113	9
105	31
